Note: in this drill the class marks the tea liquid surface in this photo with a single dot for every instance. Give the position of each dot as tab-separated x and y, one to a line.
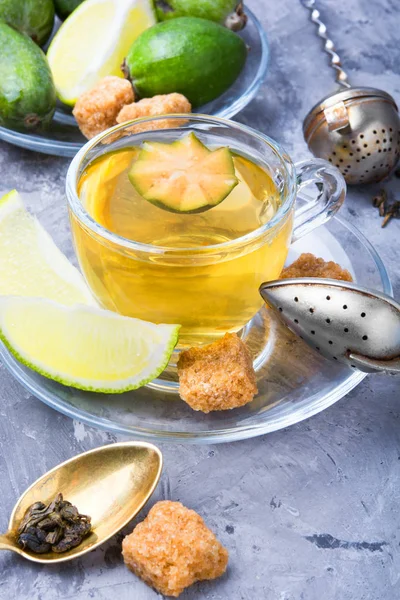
113	202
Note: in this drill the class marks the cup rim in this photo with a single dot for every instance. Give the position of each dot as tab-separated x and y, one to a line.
85	218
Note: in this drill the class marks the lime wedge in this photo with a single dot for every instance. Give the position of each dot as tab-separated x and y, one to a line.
30	262
85	347
93	43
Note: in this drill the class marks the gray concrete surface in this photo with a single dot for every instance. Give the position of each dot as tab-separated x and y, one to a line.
308	513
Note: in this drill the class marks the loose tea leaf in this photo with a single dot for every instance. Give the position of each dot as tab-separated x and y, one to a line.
380	199
57	527
392	211
31	540
386	209
72	537
54	536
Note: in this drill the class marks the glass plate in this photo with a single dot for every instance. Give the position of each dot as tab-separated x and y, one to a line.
65	139
294	382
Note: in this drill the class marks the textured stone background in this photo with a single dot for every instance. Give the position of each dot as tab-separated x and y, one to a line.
308	513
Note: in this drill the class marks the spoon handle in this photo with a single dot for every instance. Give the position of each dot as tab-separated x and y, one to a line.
5	543
341	75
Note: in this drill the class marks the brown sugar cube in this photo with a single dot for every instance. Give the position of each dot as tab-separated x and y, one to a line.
173	548
151	107
97	110
219	376
308	265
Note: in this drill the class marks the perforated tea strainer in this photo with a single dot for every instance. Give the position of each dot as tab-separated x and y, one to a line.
356	129
343	321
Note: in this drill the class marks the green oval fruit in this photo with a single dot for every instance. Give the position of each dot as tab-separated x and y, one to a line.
194	57
65	7
35	18
185	176
27	92
225	12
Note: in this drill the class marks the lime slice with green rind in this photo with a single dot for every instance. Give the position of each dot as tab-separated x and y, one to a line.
85	347
184	176
30	262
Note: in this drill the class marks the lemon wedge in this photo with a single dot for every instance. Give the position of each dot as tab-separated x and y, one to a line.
30	262
93	43
85	347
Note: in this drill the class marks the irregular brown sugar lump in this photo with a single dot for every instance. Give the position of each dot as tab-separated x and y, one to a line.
308	265
97	110
165	104
173	548
219	376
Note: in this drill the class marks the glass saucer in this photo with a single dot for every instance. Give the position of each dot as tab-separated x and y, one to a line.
294	381
65	139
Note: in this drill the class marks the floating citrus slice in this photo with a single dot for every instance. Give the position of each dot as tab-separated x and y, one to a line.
184	176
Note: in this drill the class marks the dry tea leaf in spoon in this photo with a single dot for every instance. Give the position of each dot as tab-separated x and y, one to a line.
57	527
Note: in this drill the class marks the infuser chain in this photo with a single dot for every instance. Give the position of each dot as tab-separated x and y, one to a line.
341	75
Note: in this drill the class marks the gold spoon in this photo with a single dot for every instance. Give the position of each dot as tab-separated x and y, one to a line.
110	484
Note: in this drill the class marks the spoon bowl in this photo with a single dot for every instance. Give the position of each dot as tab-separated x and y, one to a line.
110	484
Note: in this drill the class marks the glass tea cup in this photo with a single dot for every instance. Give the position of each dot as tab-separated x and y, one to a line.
207	285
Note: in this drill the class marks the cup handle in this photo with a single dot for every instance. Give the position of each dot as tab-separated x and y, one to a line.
318	207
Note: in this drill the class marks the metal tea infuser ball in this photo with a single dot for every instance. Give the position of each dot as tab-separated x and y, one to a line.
356	129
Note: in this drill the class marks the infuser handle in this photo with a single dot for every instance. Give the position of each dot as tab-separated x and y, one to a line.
372	365
341	75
